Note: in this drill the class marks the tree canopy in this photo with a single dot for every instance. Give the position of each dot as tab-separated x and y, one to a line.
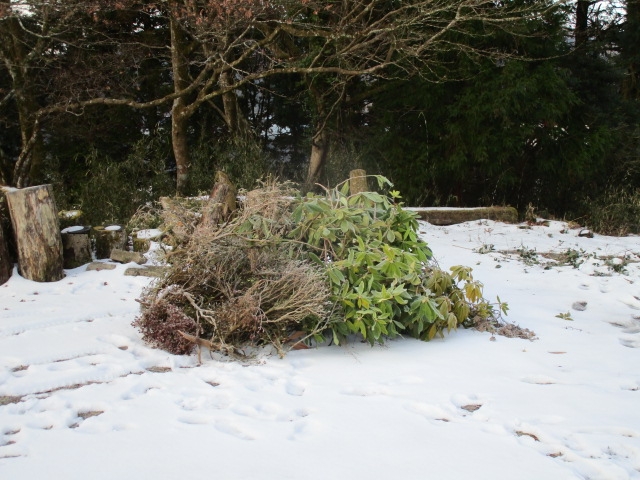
459	102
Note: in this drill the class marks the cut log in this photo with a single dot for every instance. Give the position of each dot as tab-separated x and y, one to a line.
358	181
76	246
450	216
34	218
107	238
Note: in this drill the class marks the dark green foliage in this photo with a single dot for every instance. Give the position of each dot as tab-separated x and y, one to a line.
241	158
113	190
515	133
380	271
616	211
515	116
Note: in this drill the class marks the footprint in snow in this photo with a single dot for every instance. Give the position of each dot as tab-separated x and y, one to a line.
430	412
468	403
539	380
367	390
630	327
630	342
303	429
195	419
266	411
631	386
296	387
8	437
630	301
231	428
84	415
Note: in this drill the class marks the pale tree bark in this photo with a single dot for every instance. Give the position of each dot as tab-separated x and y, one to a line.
320	145
18	59
233	116
34	217
328	95
321	140
179	112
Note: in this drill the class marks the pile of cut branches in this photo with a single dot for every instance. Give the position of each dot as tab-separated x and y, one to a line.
239	282
281	270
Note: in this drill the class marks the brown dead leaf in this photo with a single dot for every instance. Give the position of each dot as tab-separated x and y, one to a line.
471	407
527	434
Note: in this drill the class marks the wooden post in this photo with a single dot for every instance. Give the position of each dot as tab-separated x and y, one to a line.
76	246
358	181
34	218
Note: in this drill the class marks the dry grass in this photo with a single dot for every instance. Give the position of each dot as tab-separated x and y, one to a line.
241	282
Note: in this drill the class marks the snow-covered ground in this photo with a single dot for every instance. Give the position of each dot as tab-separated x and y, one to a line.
82	397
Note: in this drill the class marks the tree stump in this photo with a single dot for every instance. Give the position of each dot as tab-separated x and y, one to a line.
76	246
221	204
34	218
107	238
358	181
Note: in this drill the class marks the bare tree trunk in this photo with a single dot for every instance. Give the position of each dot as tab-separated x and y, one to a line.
15	54
581	34
233	116
320	141
358	181
180	144
34	217
319	154
179	114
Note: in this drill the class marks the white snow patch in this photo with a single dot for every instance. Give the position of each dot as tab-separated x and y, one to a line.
76	377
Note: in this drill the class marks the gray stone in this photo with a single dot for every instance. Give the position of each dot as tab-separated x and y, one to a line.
123	256
579	306
150	271
97	266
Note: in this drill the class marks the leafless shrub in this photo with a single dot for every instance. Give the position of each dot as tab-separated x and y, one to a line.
180	216
241	282
160	325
